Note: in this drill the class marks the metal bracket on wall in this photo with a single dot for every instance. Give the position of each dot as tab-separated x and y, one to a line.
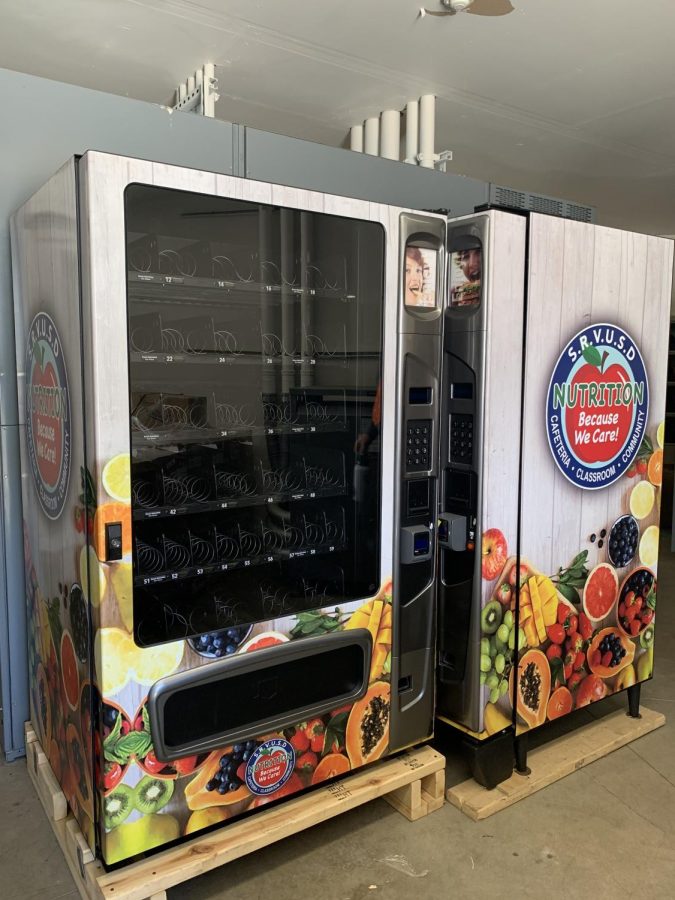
199	92
440	160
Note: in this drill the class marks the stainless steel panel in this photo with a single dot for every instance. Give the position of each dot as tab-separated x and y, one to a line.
419	362
464	344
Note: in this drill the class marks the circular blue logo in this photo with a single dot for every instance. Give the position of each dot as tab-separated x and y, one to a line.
270	767
597	406
47	415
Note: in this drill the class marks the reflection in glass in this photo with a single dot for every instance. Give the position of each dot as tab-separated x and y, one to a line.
255	341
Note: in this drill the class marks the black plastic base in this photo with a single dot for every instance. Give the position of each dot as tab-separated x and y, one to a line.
491	760
520	746
634	700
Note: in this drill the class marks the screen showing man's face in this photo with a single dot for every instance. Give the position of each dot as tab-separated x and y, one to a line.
466	276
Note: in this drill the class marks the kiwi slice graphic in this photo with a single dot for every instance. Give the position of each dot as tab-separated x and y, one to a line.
152	794
647	637
118	805
491	617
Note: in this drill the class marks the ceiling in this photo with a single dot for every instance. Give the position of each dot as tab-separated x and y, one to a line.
568	97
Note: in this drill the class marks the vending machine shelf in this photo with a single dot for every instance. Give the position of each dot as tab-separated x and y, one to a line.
147	287
218	568
210	435
164	512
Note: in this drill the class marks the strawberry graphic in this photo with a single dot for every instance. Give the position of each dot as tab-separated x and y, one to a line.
307	763
300	742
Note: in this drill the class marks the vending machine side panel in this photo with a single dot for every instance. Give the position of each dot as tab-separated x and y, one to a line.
595	387
480	454
54	483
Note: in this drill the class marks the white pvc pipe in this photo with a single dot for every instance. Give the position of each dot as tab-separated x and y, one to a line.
427	126
411	131
209	88
390	134
371	143
356	138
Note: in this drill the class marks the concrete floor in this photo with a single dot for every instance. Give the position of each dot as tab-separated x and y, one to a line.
608	826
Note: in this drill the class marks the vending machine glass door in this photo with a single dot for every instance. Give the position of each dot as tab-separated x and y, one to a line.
255	346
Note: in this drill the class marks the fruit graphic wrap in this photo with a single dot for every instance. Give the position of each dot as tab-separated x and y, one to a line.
56	492
583	631
584	576
200	790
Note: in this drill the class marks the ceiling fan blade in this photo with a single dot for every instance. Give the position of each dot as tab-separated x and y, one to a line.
430	12
490	8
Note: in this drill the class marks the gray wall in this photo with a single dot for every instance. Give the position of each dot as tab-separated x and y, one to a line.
285	160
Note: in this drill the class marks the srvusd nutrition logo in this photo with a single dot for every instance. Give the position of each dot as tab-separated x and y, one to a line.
597	404
270	767
48	415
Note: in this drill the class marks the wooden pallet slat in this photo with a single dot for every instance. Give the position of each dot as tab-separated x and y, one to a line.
413	783
554	761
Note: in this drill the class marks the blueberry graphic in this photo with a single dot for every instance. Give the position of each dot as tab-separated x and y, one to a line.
623	541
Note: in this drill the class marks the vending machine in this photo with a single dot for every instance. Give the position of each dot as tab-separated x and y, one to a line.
555	351
230	396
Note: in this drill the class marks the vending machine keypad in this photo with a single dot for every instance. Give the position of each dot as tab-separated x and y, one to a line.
461	438
418	445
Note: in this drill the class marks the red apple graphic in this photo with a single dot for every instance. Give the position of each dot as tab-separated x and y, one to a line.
494	551
271	768
609	439
49	461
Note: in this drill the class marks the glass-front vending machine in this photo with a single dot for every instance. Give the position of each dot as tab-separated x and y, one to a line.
229	424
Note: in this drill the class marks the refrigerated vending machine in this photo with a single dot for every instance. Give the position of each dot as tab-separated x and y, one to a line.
555	349
229	442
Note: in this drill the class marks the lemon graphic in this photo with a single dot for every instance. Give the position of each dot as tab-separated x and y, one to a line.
642	499
660	434
97	575
122	586
115	655
152	663
117	478
649	546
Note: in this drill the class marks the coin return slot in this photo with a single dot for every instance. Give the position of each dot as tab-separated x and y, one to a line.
404	684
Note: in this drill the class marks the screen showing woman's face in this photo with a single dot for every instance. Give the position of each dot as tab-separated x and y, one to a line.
420	277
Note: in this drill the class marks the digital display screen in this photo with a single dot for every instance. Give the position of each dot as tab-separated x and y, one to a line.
466	271
461	390
421	543
419	395
420	277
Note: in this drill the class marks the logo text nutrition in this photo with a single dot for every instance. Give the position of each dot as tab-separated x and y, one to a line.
48	426
597	406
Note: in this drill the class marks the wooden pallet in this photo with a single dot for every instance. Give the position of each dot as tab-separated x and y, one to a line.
413	783
554	761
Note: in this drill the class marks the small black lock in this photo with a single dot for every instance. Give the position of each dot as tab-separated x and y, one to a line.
113	541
